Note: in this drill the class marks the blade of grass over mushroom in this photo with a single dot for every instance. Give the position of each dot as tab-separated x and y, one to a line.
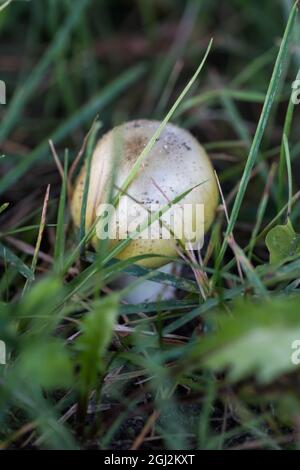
7	255
153	217
159	130
138	282
82	116
117	153
162	224
28	88
95	267
162	305
86	237
282	159
80	284
163	278
60	226
253	153
89	150
128	266
118	248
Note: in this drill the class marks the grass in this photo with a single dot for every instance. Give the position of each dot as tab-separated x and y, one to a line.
272	90
211	367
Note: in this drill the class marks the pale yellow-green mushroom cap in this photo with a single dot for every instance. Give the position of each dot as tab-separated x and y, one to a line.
176	163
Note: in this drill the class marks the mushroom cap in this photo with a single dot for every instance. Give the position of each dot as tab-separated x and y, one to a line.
176	163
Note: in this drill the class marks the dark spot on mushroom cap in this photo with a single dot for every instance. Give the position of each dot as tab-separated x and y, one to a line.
186	146
134	147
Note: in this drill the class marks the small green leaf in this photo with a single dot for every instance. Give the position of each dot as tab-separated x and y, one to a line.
256	339
283	243
97	330
265	352
47	363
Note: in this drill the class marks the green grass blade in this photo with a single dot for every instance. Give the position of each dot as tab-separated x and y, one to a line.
90	149
203	308
254	68
128	266
60	226
28	88
163	278
3	207
163	305
148	222
156	135
6	4
289	172
11	258
270	96
260	213
249	96
83	115
253	277
282	159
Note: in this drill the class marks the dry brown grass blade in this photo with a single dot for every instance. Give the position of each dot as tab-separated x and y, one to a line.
40	237
41	229
146	429
23	430
227	219
60	167
80	153
56	159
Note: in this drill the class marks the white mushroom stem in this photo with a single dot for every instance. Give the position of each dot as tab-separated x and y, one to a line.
147	291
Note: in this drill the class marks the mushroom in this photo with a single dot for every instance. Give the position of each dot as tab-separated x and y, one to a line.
175	164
